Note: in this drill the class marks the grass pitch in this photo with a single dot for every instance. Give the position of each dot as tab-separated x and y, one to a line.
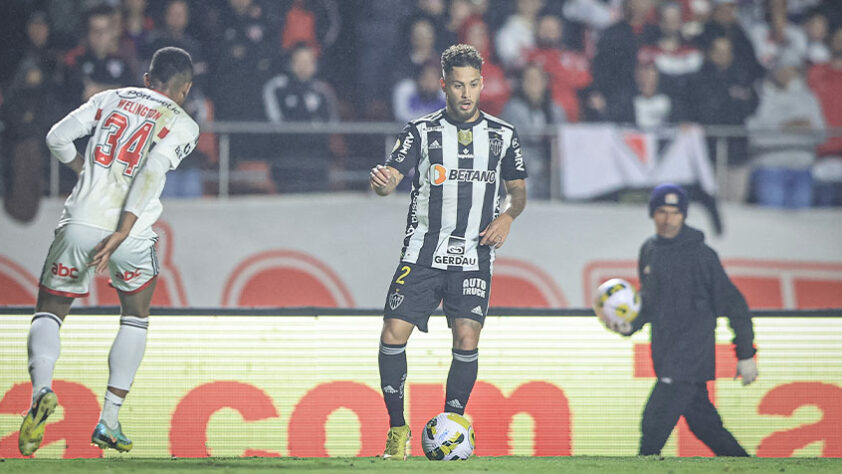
508	464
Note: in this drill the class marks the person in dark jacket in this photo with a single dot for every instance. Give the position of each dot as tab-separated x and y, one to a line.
614	64
683	290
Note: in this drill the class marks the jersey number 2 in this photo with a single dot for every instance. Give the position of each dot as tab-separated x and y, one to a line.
125	151
404	272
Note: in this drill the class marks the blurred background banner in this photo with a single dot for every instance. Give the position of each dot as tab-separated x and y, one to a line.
340	251
601	159
550	385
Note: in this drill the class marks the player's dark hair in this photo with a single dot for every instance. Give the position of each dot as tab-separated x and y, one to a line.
460	55
170	62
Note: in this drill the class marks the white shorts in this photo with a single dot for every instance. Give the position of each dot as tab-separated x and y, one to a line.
132	267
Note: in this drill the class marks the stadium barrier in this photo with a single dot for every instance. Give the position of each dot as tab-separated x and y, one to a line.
305	383
642	145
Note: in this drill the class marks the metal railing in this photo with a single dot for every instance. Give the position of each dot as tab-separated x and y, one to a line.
389	130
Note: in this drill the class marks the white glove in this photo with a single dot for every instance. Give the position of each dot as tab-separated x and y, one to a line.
746	368
623	328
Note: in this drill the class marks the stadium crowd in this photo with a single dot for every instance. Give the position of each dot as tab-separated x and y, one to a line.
771	65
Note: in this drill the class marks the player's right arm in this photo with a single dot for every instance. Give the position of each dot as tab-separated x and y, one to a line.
384	179
404	156
74	125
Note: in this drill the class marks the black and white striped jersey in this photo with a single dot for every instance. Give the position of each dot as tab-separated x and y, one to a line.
456	188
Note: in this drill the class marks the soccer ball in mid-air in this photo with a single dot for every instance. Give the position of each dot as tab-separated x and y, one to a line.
447	437
619	300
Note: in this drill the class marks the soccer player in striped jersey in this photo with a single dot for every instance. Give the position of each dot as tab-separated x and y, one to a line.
137	135
459	155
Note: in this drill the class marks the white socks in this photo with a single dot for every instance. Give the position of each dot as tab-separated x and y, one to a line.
43	346
110	409
127	352
123	361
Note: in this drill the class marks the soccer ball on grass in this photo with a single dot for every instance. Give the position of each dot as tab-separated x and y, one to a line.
447	437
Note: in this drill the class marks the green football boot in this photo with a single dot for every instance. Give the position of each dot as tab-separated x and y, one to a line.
397	443
35	421
104	437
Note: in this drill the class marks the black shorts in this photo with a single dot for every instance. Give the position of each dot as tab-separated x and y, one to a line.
416	291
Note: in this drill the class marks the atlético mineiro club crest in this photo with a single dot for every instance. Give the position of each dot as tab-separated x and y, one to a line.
395	300
496	146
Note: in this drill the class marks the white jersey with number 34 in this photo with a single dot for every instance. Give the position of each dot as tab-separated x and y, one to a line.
125	125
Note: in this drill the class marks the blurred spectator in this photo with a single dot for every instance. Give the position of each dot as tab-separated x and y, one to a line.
41	51
650	104
433	11
595	14
673	55
495	86
374	27
721	93
244	57
568	70
458	13
31	106
826	82
413	98
173	32
136	23
315	22
616	55
186	181
298	96
816	28
724	22
782	160
135	29
95	66
517	35
422	49
531	108
798	10
696	14
777	36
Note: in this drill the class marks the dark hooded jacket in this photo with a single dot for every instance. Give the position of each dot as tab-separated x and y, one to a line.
683	290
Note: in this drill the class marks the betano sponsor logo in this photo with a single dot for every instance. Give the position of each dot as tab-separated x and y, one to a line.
439	174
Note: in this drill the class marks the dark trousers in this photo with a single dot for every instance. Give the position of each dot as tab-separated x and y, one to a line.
668	402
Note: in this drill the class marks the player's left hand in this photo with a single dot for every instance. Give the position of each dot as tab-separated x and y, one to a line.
496	232
747	368
104	249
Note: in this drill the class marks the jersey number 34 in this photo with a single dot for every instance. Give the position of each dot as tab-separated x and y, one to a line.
113	145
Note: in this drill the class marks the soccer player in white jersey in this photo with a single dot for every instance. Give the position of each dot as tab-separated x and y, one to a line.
137	135
460	156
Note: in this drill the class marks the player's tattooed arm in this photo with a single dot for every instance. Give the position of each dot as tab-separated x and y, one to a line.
497	232
516	189
384	179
